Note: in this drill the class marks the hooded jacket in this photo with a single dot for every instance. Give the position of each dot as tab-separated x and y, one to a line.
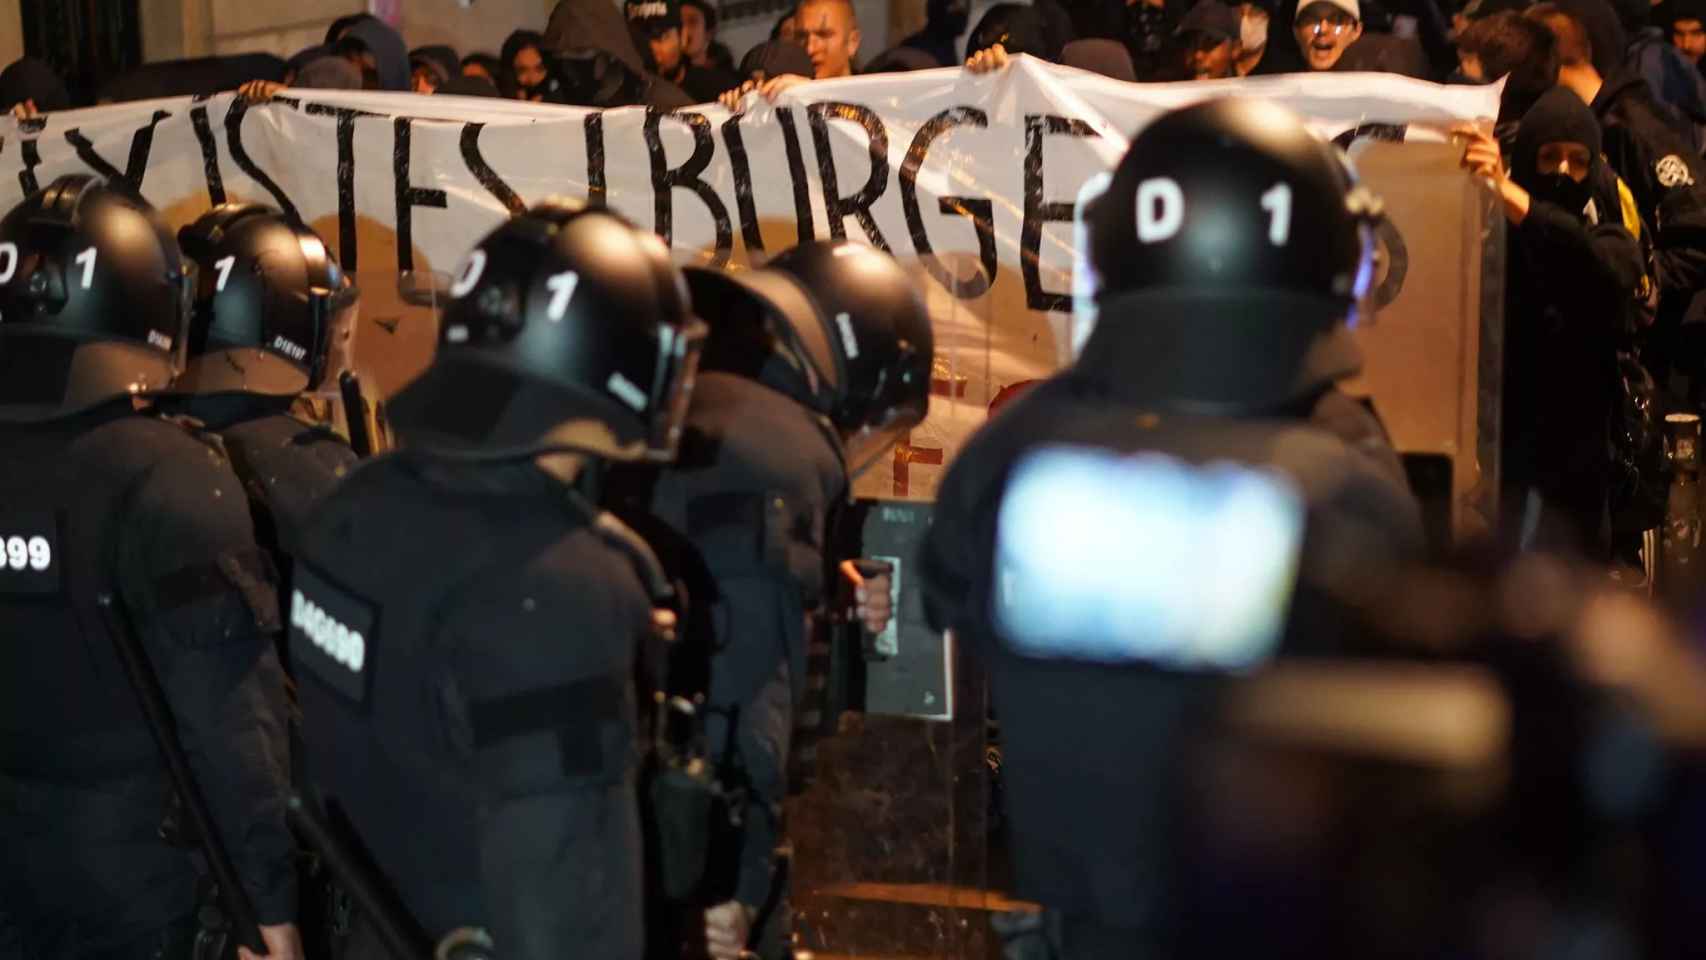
390	55
1574	273
945	21
32	79
1668	181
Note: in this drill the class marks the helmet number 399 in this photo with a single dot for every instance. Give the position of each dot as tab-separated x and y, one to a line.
1161	210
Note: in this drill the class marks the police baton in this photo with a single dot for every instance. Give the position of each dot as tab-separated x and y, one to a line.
158	713
402	936
357	415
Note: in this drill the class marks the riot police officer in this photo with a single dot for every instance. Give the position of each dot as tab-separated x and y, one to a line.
1173	504
107	506
271	310
465	623
812	367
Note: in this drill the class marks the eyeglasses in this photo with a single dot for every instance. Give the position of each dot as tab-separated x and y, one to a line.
1331	25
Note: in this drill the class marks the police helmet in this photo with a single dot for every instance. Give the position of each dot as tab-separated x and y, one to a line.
269	303
1229	254
94	298
872	344
561	316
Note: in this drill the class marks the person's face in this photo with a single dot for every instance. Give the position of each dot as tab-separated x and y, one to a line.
666	52
423	80
1565	157
529	69
1689	37
1209	58
695	38
831	38
1323	33
475	70
1252	27
369	68
1471	65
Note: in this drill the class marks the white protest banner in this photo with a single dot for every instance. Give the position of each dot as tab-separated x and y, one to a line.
968	179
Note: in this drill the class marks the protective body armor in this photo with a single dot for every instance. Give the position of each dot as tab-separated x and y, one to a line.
464	641
745	507
287	467
112	503
1089	738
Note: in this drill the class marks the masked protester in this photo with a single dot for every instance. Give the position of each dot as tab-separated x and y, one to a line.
1208	38
1575	273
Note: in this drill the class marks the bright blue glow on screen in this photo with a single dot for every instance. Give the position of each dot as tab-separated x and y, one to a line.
1145	559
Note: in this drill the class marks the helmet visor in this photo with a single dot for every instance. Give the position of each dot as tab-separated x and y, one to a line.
679	349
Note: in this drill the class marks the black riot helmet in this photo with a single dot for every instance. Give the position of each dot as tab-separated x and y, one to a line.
1229	254
269	303
872	345
94	299
561	316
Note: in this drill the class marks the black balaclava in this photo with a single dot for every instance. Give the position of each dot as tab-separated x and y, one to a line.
1559	116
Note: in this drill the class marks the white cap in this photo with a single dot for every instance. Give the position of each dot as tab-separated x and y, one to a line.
1349	6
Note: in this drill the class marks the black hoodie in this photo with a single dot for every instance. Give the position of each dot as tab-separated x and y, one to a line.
1668	181
1574	274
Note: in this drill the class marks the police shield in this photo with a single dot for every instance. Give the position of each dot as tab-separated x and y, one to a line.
890	837
1431	364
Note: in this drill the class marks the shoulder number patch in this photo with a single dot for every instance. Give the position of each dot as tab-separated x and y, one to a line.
1672	171
30	554
330	630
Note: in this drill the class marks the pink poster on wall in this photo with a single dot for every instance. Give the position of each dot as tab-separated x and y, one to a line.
390	11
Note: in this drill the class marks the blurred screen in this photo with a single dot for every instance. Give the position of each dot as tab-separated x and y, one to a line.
1144	559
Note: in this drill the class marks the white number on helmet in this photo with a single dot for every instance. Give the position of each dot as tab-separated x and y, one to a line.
562	287
1277	202
1160	209
470	274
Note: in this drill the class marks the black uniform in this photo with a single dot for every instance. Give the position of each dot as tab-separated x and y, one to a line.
1087	746
1116	540
287	465
465	627
478	731
749	497
114	501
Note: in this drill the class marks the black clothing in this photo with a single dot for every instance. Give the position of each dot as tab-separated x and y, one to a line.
465	641
1572	284
114	501
32	79
1667	178
706	84
1088	747
748	499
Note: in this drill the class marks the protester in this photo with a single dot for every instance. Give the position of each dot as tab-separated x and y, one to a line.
1325	30
788	28
378	51
524	61
831	32
1574	271
483	65
29	87
775	58
900	60
699	37
1673	79
1149	36
1513	47
1209	37
432	67
466	86
1665	177
944	21
659	23
1686	20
